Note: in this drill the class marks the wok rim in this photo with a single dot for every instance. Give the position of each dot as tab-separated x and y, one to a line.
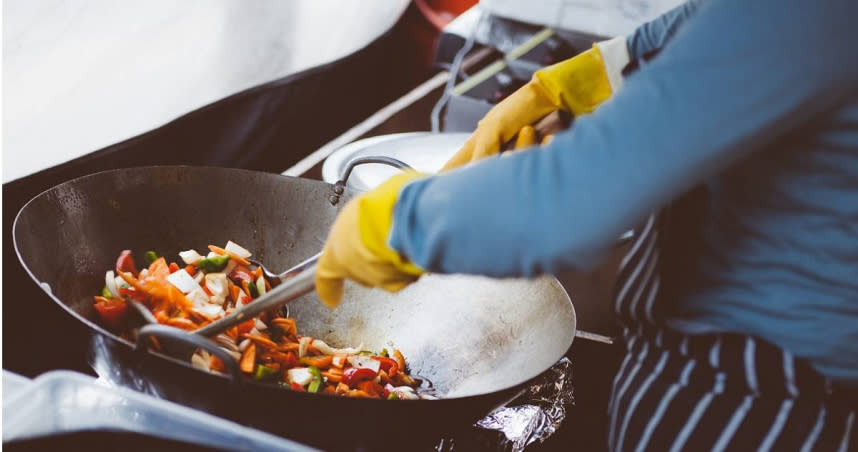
515	388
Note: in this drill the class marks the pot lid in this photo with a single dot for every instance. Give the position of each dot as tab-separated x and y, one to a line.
424	151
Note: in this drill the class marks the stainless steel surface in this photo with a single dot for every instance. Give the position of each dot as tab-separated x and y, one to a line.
425	151
468	335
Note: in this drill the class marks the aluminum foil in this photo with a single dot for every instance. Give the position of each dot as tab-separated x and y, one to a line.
533	416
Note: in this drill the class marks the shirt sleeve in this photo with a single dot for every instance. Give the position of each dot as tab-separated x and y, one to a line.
655	34
736	78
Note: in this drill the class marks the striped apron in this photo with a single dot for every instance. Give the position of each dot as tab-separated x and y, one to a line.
715	391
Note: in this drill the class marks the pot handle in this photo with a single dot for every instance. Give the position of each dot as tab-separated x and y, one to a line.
340	185
190	340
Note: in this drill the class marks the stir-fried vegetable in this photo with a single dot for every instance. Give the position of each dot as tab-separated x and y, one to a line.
268	348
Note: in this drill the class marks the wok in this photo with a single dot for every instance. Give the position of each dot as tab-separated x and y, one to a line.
478	340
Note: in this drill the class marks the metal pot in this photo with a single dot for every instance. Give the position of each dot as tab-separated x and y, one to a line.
478	340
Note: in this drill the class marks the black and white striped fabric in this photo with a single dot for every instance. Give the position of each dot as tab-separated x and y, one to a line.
714	392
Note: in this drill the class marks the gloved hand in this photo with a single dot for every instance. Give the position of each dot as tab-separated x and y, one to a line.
357	245
577	85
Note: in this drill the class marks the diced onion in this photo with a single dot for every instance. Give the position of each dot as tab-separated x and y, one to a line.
230	266
299	375
260	286
303	343
260	325
244	344
198	297
237	249
199	362
110	282
328	350
218	285
183	281
209	310
190	257
364	361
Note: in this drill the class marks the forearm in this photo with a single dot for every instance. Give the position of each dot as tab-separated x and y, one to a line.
696	109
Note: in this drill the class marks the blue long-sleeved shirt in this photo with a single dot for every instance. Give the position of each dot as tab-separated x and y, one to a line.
756	100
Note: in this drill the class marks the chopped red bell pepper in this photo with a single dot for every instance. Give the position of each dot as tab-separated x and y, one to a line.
388	365
173	267
133	294
355	375
125	263
240	274
112	311
297	387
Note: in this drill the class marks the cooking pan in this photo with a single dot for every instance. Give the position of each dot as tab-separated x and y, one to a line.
479	341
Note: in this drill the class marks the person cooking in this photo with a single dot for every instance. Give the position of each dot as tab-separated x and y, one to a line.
753	345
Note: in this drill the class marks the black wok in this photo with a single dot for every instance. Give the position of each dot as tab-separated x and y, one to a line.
479	341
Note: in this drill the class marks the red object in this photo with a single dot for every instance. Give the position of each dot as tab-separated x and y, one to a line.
425	21
125	263
241	274
133	294
246	326
297	387
173	267
112	311
388	365
355	375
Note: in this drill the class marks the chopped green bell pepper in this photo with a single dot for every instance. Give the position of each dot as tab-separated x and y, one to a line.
264	372
105	292
150	257
213	264
316	383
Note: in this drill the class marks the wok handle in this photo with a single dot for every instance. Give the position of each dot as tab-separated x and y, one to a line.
175	334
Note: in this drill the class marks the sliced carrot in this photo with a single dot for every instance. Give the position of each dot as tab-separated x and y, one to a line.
257	273
183	323
262	341
206	289
221	251
191	269
286	324
286	360
333	378
234	291
321	362
216	363
248	359
246	286
173	267
158	269
370	387
289	347
359	393
400	360
329	389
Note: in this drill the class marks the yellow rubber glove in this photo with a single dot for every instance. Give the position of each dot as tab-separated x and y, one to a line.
357	245
577	85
